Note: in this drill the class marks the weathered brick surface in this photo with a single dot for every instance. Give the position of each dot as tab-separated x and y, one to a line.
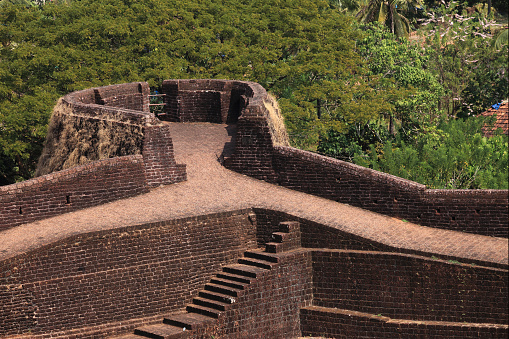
159	157
86	118
217	101
475	211
317	235
106	282
132	96
338	323
270	308
409	287
111	276
72	189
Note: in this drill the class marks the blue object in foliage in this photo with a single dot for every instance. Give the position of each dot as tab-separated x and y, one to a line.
496	106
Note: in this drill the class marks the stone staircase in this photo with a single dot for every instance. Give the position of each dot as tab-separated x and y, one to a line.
222	291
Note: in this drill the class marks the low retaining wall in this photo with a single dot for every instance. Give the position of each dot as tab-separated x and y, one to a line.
346	324
117	275
409	287
75	188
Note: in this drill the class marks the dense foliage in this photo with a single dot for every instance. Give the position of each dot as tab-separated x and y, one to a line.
426	139
355	92
456	156
297	49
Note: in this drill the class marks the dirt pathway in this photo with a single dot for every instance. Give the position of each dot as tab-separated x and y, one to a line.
211	188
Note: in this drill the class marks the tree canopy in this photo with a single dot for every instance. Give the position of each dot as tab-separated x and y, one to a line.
334	79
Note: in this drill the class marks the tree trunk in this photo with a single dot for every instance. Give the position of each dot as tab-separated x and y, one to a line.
392	128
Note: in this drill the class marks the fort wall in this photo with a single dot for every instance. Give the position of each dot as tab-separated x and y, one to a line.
258	154
71	189
475	211
113	121
109	282
103	144
107	277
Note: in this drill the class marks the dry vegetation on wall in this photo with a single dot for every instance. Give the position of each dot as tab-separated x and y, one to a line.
276	122
76	140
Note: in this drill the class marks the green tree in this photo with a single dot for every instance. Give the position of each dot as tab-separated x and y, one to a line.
389	13
472	72
456	155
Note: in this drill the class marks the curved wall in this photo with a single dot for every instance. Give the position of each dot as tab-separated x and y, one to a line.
257	154
103	144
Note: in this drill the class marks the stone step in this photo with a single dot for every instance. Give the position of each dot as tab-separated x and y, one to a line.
210	303
281	237
245	270
262	255
128	336
256	262
234	277
289	227
229	283
222	289
161	331
224	298
189	321
206	311
274	247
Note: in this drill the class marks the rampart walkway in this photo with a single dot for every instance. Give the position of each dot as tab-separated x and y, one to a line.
211	188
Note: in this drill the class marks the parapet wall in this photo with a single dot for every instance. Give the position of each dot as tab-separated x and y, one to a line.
75	188
103	144
257	154
474	211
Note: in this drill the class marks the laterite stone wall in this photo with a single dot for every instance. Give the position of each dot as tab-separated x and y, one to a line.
79	187
116	275
345	324
409	287
270	307
103	144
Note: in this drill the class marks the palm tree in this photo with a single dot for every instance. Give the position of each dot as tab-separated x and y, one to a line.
387	13
501	38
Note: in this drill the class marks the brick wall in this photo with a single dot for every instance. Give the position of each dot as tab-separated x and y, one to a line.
116	275
79	187
259	153
475	211
132	96
200	106
269	308
159	157
345	324
317	235
108	282
103	144
409	287
216	101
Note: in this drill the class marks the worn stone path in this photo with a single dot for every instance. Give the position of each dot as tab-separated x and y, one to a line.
211	188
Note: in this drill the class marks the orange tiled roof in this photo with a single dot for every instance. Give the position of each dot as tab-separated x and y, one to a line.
501	122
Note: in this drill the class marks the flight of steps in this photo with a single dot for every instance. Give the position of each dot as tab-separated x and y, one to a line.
224	289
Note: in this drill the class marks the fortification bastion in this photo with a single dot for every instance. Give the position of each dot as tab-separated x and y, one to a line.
135	227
